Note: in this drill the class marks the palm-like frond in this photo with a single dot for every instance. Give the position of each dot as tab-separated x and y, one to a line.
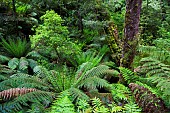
14	92
163	85
93	83
2	78
23	81
35	96
4	59
153	67
160	51
76	93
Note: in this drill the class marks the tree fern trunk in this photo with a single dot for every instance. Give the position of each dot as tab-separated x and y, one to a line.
132	19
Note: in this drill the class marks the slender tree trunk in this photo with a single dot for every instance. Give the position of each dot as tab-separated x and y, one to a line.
131	30
15	16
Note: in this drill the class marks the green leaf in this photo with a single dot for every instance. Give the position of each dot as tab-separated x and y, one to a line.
23	64
13	63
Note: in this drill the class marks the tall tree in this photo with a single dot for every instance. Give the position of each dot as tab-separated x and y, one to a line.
131	30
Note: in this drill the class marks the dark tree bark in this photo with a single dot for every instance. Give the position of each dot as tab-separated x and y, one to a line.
130	41
15	16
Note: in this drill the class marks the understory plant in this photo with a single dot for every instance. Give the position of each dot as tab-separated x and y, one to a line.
15	47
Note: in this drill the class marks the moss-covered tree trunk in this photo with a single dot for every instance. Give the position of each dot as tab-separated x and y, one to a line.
130	40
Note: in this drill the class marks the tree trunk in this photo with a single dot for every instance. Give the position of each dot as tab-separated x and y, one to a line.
15	16
130	41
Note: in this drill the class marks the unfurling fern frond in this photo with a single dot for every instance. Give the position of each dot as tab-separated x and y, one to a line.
14	92
147	100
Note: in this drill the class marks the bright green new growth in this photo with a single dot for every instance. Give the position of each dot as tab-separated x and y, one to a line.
53	34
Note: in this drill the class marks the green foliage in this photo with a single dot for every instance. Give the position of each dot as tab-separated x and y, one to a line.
153	67
163	85
82	106
54	35
4	59
160	51
146	99
98	107
16	47
132	108
22	64
62	105
128	75
90	56
120	93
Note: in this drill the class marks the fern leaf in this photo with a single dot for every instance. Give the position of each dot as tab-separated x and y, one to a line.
93	83
32	63
14	92
13	63
77	94
97	71
35	96
2	78
17	81
4	59
23	64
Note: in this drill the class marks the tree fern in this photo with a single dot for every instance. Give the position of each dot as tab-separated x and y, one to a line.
145	99
153	67
160	51
23	81
128	75
14	92
76	93
163	85
93	83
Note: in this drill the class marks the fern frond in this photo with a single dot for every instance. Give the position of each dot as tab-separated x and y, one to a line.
93	83
2	78
96	71
17	81
34	54
35	96
62	105
23	64
158	51
14	92
128	75
163	85
77	94
13	63
146	99
82	69
153	67
4	59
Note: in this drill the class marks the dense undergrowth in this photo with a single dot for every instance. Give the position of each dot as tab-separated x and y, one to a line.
64	57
